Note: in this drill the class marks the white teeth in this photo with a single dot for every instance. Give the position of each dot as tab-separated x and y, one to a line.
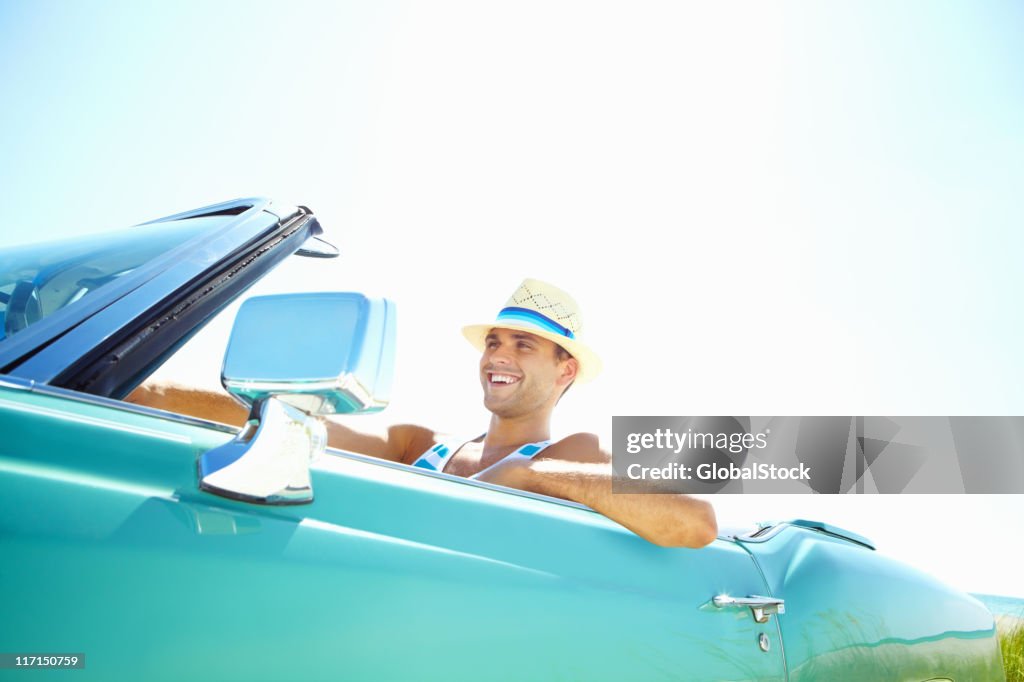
503	379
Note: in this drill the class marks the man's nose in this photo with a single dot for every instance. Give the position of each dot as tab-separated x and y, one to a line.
500	356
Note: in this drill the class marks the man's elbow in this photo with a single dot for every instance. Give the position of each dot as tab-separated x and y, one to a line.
707	529
698	529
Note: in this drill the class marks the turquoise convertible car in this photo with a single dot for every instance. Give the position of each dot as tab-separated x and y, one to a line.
153	546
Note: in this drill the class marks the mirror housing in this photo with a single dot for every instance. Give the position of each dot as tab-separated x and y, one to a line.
324	353
290	357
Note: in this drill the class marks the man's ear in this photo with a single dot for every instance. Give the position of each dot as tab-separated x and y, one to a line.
569	371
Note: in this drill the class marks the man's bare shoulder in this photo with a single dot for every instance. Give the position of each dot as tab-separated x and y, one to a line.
579	447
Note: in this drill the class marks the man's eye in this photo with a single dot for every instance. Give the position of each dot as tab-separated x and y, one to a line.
492	344
525	346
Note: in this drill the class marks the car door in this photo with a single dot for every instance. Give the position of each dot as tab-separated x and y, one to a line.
391	573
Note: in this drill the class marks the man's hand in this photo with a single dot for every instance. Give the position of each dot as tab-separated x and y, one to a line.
577	469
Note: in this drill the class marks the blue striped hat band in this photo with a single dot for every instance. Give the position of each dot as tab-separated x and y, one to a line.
532	318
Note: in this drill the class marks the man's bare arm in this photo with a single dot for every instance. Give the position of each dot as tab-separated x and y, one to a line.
578	470
403	442
195	402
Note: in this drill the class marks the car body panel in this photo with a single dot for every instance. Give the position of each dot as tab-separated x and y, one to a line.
853	614
390	572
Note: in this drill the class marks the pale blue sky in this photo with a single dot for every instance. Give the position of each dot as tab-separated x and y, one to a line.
765	208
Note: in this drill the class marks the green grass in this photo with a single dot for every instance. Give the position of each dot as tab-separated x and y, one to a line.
1011	642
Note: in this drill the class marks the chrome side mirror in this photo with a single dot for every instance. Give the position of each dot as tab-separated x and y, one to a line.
291	357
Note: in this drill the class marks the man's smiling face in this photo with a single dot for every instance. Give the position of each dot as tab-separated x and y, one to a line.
522	372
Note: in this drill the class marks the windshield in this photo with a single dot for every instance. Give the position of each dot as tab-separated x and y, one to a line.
37	280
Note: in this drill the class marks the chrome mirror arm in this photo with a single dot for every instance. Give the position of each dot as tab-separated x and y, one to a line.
268	462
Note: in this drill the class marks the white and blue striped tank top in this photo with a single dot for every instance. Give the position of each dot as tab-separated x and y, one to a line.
437	457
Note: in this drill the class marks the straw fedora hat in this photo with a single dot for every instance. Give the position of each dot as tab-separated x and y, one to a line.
547	311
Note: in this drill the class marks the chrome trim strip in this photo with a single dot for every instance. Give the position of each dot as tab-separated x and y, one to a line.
16	383
834	531
773	529
369	459
20	384
93	421
762	535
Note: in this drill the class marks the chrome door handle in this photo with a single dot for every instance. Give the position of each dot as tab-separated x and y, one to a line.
761	607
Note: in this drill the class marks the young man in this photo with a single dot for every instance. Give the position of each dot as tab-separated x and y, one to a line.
531	354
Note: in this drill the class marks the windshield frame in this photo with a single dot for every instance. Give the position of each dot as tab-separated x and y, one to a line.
109	351
20	347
